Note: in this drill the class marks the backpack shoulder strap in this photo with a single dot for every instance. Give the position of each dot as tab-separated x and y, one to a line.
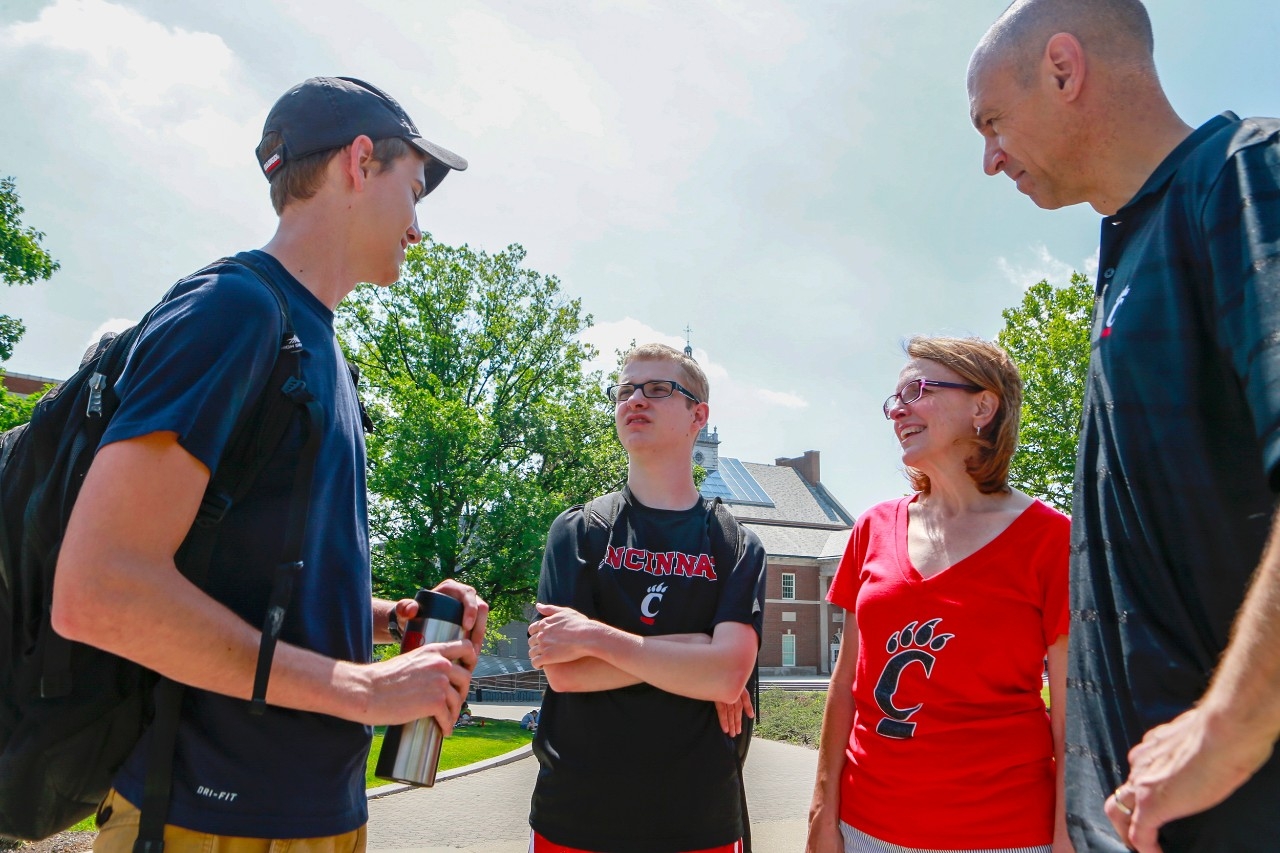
726	535
600	514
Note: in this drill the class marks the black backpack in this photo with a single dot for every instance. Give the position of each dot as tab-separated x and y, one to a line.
70	714
726	546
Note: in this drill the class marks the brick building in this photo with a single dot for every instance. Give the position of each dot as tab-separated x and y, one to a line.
804	530
23	384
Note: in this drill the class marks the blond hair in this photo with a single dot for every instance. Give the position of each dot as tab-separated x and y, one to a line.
694	379
986	365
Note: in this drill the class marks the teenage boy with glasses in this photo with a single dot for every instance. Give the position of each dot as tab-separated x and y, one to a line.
642	643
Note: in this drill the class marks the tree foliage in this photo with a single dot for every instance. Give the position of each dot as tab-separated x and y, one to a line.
16	409
1048	338
22	261
487	426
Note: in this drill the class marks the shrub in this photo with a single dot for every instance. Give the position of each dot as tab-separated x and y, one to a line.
791	717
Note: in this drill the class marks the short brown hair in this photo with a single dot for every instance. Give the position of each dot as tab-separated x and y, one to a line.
301	179
694	378
986	365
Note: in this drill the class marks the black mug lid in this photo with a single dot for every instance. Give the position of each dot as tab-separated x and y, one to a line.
436	605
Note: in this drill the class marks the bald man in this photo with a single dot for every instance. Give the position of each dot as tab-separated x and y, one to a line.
1174	665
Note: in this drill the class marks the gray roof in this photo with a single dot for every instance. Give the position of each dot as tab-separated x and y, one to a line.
793	499
802	520
805	542
491	665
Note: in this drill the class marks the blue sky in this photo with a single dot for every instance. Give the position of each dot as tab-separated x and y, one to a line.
799	183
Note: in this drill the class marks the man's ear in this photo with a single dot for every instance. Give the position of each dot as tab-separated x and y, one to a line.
701	414
1064	64
357	161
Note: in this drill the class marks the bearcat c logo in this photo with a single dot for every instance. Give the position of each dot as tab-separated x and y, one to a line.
910	645
649	606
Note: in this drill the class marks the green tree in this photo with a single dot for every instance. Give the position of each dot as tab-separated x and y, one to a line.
487	426
16	409
1048	338
22	261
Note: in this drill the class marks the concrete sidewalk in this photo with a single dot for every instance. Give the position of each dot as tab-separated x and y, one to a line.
488	812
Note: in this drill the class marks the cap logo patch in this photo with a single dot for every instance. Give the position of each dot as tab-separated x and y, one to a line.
273	163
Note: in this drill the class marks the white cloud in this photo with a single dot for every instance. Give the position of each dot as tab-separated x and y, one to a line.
170	96
782	398
1044	266
515	81
115	324
1091	265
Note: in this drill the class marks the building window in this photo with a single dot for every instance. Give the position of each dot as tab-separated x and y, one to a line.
788	649
788	616
788	585
837	615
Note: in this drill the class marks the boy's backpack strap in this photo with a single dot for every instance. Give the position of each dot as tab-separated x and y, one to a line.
285	398
600	514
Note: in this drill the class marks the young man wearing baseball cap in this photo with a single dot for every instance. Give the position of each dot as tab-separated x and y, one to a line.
347	168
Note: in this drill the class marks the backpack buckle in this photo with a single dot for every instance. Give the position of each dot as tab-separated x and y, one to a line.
296	390
213	509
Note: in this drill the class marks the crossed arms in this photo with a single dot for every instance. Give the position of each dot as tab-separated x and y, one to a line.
581	655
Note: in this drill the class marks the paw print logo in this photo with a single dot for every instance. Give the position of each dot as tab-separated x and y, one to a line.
649	606
923	637
915	643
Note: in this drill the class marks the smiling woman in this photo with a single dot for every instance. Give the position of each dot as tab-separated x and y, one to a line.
929	580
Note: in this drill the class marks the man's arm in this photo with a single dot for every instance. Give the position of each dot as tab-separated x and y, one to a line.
117	587
1200	757
590	674
714	671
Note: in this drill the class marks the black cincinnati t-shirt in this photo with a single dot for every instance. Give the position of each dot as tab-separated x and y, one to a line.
640	770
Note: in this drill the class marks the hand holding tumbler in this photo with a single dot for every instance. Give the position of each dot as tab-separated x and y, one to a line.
411	752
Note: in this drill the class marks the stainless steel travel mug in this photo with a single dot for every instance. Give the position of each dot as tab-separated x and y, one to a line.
411	752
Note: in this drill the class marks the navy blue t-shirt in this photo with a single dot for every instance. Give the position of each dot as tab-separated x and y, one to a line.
204	357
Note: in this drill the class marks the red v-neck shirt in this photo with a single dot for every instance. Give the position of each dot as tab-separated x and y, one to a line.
950	747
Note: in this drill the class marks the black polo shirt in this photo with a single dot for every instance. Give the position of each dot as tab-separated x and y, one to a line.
1177	469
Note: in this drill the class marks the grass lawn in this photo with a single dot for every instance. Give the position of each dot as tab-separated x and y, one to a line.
791	717
465	746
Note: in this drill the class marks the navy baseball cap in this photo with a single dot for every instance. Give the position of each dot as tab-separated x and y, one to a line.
328	112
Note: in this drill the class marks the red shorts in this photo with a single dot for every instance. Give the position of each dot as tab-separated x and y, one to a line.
538	844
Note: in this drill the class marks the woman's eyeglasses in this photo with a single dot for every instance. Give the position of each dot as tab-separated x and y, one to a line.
911	392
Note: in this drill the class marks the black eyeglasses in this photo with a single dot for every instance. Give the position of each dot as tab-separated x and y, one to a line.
654	389
911	392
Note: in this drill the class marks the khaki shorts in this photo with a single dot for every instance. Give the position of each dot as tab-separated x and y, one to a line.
118	831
